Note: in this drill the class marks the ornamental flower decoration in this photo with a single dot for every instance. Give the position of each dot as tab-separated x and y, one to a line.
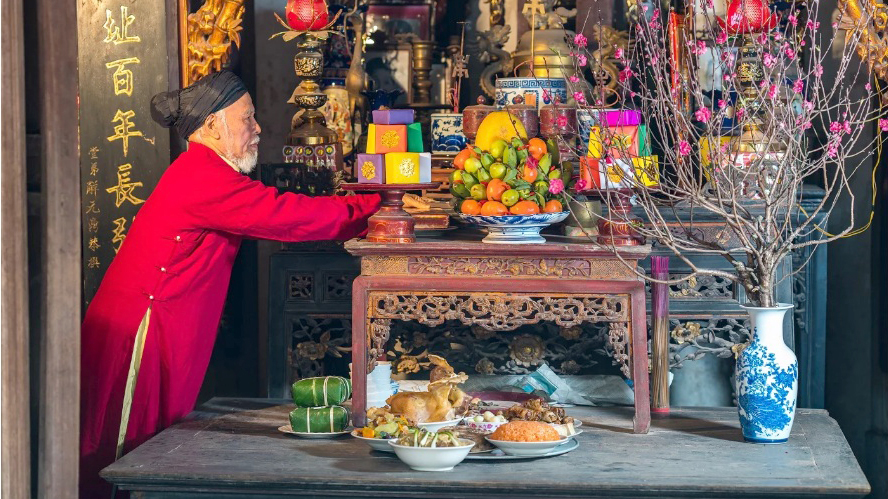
527	350
312	350
368	169
390	138
407	167
570	367
485	366
571	333
482	333
407	364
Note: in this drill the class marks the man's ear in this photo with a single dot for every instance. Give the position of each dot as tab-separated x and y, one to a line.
213	127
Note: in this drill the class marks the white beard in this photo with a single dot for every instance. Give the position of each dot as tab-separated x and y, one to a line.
246	163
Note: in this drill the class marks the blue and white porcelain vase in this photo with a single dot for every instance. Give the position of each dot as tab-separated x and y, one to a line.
767	379
447	133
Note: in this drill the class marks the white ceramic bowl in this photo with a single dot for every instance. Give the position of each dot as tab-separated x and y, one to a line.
380	444
515	229
527	448
432	458
486	426
435	426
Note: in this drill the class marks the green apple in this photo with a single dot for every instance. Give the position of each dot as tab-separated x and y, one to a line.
478	192
472	165
510	197
498	148
497	170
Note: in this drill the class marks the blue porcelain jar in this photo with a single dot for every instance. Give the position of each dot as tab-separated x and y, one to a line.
447	133
767	379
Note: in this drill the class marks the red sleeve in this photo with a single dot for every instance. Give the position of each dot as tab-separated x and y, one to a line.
234	203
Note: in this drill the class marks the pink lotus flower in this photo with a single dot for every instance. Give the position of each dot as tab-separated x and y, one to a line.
684	148
883	125
555	186
722	38
561	121
799	86
580	40
579	97
703	114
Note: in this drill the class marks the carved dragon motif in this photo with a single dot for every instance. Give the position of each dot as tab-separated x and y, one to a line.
496	59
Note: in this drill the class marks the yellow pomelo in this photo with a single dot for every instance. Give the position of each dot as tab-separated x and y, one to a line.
499	125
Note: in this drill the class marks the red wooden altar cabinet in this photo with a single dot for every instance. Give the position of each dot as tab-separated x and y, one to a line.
499	287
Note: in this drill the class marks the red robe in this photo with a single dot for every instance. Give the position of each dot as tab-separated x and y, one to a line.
177	259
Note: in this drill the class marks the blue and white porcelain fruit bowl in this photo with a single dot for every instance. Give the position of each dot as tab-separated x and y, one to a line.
515	229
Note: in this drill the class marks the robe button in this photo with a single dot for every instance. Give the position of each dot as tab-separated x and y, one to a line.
178	238
151	297
163	269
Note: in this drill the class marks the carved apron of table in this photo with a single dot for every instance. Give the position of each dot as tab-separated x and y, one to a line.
499	288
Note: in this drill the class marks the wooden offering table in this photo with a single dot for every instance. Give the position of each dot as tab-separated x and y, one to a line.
500	288
232	448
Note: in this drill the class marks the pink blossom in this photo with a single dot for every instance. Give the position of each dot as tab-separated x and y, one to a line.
883	125
684	148
710	4
700	49
769	60
703	114
778	36
835	25
805	125
654	60
808	106
581	185
832	150
574	78
580	40
722	103
799	86
561	121
772	91
618	53
793	19
546	96
840	128
802	43
532	162
868	86
722	38
625	75
740	114
724	147
631	95
581	60
790	53
762	39
608	160
812	24
579	97
736	18
728	57
555	186
818	71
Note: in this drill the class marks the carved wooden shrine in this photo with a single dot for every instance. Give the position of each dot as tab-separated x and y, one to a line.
499	288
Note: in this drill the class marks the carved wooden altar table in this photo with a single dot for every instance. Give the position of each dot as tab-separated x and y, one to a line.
499	288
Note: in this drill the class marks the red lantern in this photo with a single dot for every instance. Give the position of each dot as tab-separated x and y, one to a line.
748	17
307	15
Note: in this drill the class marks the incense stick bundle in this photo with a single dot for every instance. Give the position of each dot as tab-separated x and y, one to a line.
660	336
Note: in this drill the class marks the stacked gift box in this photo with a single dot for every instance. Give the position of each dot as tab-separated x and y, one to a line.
619	154
394	151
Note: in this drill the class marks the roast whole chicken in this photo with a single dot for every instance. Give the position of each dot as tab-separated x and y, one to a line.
442	402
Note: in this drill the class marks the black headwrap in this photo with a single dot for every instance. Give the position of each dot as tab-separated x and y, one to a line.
187	109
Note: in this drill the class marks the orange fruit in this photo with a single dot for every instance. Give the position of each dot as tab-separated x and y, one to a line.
530	174
494	208
470	207
461	158
524	208
553	206
495	189
537	148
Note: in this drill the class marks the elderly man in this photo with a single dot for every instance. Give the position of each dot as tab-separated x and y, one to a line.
149	332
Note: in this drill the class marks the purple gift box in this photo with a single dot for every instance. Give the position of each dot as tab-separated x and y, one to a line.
370	168
393	117
620	118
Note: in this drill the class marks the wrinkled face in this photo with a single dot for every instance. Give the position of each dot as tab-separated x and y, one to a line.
239	131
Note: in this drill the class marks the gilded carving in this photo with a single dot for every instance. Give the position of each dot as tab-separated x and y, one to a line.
519	267
377	336
210	32
308	66
618	339
373	265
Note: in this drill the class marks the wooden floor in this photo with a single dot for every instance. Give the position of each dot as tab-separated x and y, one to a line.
232	448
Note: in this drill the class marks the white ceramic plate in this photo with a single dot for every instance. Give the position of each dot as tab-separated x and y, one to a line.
289	431
498	455
527	449
431	458
429	426
380	444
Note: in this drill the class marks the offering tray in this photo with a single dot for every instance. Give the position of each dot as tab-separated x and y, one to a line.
391	224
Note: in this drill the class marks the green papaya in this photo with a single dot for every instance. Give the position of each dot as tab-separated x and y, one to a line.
319	419
320	392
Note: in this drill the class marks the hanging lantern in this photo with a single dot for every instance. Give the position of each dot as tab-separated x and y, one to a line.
307	15
748	17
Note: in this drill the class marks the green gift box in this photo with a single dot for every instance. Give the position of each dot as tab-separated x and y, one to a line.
414	138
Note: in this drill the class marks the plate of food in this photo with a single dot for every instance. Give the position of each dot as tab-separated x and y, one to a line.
526	438
382	426
499	455
309	434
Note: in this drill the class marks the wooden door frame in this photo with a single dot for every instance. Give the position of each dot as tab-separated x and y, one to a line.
15	479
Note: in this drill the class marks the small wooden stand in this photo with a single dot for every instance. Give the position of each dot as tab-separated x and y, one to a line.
391	224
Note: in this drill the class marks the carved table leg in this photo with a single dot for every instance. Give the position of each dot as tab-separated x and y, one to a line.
360	325
639	359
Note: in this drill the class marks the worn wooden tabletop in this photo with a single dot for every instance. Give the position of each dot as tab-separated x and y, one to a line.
232	448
